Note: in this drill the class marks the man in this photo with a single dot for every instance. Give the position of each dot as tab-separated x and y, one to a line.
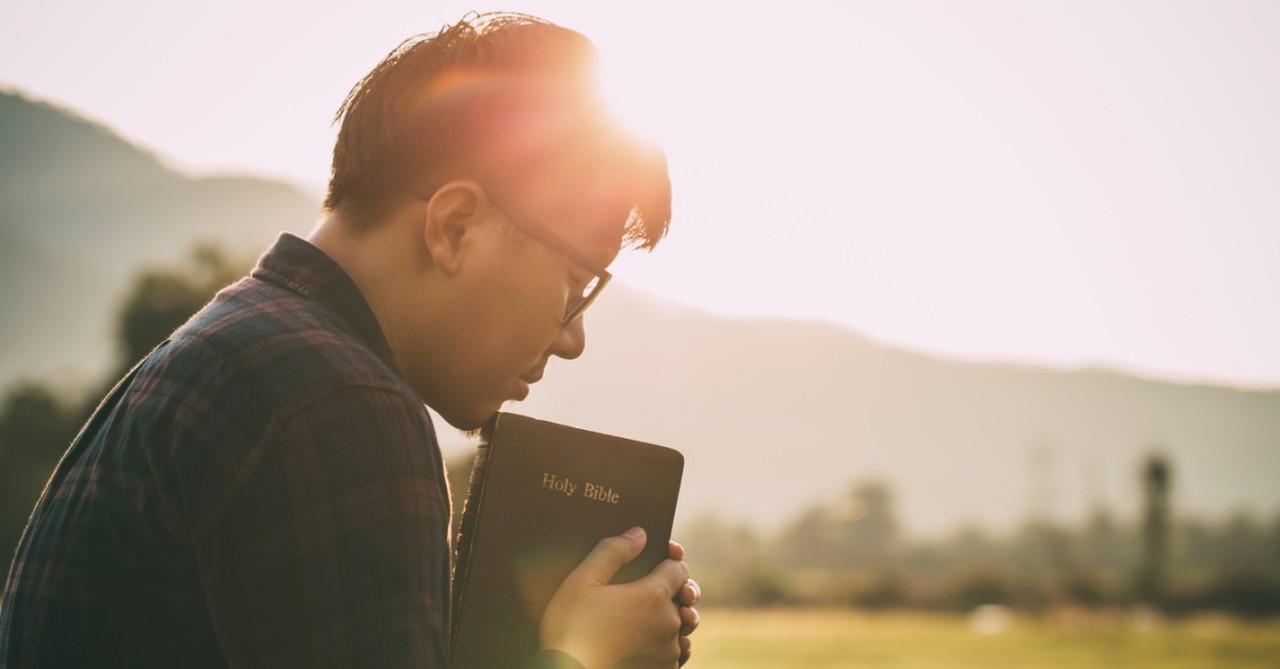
265	489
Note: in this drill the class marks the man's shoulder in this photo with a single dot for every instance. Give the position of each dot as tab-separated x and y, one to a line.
208	403
280	344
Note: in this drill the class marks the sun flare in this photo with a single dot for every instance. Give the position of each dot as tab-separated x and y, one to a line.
626	82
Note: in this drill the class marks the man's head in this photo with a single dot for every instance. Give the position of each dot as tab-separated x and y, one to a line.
497	98
479	187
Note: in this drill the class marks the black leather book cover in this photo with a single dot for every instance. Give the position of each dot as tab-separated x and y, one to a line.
541	495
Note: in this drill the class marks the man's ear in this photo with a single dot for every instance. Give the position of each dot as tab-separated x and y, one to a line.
452	212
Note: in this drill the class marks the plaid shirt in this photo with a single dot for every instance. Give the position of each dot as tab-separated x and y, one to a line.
263	491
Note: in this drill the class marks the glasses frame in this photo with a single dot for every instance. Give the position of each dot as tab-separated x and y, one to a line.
544	235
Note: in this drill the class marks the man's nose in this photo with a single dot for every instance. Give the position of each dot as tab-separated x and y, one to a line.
571	341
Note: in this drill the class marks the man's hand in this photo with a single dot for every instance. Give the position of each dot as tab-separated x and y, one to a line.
687	598
633	625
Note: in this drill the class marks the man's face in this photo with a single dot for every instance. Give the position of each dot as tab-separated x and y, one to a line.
516	290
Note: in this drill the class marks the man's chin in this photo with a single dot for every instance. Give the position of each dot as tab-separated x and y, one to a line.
471	420
473	425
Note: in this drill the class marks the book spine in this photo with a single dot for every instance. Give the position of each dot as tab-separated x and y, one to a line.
466	533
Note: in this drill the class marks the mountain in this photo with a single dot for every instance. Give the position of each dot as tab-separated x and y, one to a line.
81	210
772	415
775	415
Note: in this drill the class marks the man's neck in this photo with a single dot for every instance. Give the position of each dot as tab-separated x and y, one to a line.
382	267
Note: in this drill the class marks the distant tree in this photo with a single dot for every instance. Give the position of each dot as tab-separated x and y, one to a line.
1040	549
809	540
1103	544
866	528
886	589
968	548
35	428
1151	583
1246	592
1242	544
717	544
859	531
753	578
163	298
970	589
1273	544
1083	586
1197	546
731	563
36	425
972	547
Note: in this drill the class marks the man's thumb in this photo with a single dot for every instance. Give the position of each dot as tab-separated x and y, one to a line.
609	555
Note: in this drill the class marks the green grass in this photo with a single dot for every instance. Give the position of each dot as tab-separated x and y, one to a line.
825	639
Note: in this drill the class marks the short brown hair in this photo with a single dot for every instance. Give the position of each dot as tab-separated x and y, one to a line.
489	97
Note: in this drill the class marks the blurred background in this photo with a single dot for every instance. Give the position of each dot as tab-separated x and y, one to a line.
966	324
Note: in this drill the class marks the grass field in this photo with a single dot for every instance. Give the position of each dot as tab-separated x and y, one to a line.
807	639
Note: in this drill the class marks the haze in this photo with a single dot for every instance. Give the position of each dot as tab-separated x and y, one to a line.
1063	183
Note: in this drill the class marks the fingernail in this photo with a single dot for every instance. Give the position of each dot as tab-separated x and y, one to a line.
634	533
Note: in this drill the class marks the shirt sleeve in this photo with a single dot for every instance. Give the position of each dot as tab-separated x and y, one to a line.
333	550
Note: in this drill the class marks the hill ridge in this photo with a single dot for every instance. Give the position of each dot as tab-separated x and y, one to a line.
771	413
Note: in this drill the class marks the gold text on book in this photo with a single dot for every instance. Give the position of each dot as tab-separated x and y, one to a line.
593	491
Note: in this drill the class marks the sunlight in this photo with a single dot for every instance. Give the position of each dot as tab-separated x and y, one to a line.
625	79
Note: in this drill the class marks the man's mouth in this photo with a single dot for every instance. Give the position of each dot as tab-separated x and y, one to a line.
526	380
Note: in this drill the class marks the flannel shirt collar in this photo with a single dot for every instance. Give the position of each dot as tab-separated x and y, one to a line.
297	265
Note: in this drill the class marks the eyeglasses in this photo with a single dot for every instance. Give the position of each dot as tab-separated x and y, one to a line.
541	233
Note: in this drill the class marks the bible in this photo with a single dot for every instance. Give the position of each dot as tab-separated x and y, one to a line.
541	496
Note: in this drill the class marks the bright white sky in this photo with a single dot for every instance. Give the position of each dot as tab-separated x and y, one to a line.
1071	182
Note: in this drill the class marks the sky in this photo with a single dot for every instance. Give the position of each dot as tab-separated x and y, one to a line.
1063	183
